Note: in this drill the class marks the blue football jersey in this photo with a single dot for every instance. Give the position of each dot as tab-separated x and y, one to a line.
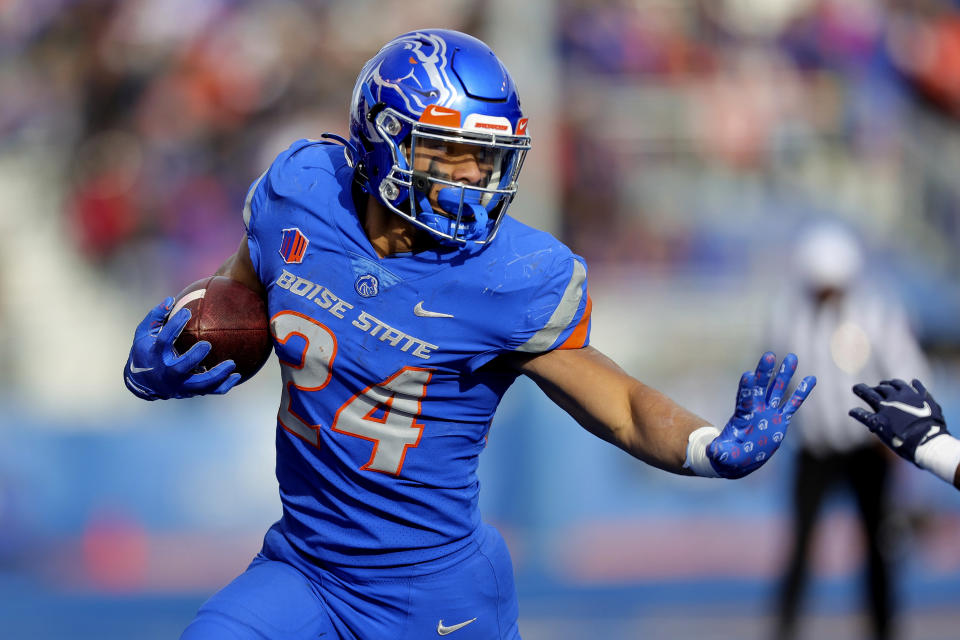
386	401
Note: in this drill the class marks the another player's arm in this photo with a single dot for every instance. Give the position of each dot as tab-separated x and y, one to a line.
909	421
651	427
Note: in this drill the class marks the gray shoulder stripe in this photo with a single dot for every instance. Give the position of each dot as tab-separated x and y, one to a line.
246	203
562	315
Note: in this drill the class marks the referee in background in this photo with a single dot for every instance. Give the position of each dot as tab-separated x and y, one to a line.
847	333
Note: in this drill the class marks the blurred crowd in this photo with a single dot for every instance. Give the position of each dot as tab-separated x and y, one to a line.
163	112
690	122
683	124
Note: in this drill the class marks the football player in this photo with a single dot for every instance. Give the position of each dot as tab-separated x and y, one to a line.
910	422
403	303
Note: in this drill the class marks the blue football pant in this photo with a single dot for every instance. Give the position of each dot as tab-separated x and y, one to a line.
274	599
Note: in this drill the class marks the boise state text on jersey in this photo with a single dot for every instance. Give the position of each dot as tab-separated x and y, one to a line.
386	403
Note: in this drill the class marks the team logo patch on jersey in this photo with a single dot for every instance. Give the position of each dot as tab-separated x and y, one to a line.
367	285
293	245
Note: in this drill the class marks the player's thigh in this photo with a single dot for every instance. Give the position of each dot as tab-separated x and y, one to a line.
475	600
269	600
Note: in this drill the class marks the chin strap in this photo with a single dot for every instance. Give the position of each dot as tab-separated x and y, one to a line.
449	200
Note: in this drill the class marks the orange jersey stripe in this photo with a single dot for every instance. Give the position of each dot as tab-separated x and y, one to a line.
579	336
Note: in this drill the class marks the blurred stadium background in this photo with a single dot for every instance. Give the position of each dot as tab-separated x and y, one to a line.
678	145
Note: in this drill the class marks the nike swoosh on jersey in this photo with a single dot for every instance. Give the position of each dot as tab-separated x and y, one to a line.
920	412
423	313
442	630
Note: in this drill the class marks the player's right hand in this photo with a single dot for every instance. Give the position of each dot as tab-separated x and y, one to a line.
154	370
904	417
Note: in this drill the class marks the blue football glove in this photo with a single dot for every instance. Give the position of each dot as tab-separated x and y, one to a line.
154	371
906	417
760	419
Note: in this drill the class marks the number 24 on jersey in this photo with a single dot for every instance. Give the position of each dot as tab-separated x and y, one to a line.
384	413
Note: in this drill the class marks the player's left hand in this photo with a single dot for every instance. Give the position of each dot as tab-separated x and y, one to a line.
760	419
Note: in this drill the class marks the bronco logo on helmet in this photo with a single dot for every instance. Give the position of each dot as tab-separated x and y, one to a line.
419	79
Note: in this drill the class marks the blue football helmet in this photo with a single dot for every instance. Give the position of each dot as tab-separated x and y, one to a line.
437	134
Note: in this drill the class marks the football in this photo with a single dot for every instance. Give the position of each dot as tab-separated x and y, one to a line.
231	317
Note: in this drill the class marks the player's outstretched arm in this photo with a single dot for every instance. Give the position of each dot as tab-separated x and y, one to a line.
909	421
650	426
154	371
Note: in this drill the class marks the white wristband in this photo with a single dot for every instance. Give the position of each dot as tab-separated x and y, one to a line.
940	455
697	444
